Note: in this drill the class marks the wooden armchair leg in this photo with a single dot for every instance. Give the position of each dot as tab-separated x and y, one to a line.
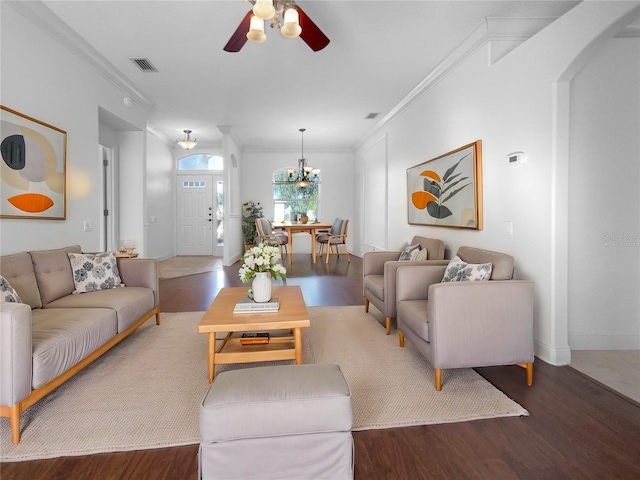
388	325
366	305
529	368
14	419
438	373
400	338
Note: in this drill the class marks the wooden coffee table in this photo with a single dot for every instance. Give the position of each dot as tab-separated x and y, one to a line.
219	317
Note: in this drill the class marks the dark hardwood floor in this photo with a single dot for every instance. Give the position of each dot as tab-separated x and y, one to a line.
577	429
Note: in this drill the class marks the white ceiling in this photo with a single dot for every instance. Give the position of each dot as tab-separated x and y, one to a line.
379	51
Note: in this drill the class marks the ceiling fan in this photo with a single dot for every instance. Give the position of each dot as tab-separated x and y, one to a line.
296	23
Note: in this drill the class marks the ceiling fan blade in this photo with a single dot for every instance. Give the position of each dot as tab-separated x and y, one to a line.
311	34
239	37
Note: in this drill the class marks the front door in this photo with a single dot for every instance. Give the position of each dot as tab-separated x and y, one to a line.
195	214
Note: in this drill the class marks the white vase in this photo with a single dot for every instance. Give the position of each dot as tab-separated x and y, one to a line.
261	287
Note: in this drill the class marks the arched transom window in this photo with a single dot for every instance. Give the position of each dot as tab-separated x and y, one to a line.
201	161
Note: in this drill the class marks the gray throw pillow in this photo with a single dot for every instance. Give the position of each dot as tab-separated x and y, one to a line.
406	253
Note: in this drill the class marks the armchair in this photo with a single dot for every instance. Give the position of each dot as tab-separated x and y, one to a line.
464	324
379	275
266	234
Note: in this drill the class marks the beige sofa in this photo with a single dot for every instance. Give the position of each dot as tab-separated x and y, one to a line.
379	274
462	324
55	333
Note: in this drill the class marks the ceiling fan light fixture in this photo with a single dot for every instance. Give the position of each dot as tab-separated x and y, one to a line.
256	30
291	27
264	9
187	142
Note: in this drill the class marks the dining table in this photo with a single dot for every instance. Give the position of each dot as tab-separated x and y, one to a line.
296	227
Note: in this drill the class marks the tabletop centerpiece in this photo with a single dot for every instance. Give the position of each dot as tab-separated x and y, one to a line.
259	263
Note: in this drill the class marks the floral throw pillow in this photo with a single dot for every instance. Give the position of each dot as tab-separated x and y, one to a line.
93	272
459	271
7	293
406	253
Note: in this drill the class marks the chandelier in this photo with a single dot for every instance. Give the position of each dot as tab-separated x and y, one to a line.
187	142
273	10
305	174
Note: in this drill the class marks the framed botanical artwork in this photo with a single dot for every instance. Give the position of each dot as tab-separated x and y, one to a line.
446	191
33	168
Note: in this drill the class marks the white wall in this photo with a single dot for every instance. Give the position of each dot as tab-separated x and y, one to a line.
604	200
160	198
132	184
233	240
336	187
42	79
514	104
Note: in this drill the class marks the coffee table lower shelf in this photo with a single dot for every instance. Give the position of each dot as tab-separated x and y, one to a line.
278	348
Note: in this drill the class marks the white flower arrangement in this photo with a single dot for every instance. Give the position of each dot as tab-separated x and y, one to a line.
262	258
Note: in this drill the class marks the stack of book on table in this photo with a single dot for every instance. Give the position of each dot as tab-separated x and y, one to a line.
253	338
247	305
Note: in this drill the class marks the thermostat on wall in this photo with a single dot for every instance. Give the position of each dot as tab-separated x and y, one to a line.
516	158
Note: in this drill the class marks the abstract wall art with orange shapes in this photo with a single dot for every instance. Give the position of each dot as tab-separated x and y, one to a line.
446	191
33	168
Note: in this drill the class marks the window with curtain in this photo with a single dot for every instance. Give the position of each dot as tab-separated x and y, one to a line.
289	199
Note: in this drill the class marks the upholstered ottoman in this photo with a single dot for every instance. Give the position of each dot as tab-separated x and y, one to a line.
289	421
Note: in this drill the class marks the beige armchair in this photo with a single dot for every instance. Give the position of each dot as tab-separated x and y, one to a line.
379	275
267	235
466	324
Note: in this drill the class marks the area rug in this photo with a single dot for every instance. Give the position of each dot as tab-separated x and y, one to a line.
146	392
182	266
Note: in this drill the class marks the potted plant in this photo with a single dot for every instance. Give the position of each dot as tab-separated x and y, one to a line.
252	211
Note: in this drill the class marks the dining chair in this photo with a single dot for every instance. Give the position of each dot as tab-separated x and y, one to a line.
335	237
267	235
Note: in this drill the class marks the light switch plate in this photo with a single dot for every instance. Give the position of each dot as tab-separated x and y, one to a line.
508	228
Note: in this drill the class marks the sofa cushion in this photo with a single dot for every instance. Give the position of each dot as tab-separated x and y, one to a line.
434	246
7	293
129	303
375	284
459	271
274	401
93	272
502	264
413	314
63	337
53	272
18	270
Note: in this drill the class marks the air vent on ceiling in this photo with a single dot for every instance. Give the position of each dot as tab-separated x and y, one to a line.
144	64
371	116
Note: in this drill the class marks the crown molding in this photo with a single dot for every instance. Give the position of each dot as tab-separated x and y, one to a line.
491	29
41	16
160	136
230	132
